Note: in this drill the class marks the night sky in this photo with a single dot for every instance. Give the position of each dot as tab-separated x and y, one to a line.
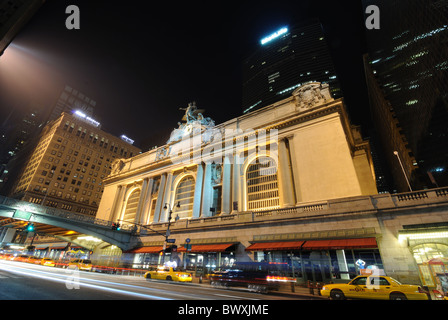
142	62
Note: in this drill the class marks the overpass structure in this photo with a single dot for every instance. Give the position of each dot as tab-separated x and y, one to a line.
125	238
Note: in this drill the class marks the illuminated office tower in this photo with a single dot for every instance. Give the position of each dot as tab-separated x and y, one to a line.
284	60
408	57
69	101
69	162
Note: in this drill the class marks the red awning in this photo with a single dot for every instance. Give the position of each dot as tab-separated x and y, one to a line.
154	249
275	246
207	247
361	243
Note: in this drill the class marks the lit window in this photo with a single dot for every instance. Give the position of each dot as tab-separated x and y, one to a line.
262	185
185	197
131	206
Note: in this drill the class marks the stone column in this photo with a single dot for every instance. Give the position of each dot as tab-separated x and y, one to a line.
167	197
117	201
226	186
284	174
236	202
159	202
120	203
198	191
141	201
294	169
147	202
207	191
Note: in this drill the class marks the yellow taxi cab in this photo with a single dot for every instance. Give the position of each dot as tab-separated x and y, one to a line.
6	256
168	273
47	262
34	260
21	258
80	264
374	287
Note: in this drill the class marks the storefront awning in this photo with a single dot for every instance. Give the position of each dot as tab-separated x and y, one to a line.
207	247
275	246
153	249
361	243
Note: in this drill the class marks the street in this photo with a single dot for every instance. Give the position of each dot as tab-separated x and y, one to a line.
20	281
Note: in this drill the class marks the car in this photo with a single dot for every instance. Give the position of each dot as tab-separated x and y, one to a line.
80	264
260	277
6	256
374	287
168	273
21	258
34	260
47	262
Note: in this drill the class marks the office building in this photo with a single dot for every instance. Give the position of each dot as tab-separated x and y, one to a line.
409	60
68	164
285	60
71	100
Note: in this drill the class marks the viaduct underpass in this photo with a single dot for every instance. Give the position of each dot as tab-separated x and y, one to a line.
13	210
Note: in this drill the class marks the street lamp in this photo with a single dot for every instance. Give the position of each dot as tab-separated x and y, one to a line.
167	205
404	173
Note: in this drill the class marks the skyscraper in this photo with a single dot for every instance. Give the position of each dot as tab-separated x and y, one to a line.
67	165
69	100
286	59
409	60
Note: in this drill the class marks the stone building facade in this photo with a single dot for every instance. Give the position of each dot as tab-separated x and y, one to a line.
290	185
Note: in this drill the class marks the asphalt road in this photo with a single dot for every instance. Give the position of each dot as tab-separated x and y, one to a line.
22	281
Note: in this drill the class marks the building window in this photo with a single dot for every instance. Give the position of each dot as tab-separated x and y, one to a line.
185	196
131	206
425	252
262	185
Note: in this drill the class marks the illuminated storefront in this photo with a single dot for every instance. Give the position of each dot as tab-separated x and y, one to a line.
429	246
320	260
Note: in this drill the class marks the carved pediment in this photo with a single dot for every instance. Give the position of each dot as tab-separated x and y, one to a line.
311	95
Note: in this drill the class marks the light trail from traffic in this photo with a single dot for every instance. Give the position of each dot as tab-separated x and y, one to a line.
52	276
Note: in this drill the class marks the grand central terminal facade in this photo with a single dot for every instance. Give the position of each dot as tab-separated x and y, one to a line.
290	184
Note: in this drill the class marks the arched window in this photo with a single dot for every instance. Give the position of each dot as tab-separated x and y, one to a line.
262	185
185	196
131	206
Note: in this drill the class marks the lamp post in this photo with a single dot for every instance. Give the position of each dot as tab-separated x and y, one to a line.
402	168
168	232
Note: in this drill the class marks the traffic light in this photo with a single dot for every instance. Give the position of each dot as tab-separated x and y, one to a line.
30	227
116	226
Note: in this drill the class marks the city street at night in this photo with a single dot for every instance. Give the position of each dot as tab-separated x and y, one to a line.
21	281
252	158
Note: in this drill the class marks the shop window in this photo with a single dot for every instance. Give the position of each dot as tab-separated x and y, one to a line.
425	252
185	196
262	185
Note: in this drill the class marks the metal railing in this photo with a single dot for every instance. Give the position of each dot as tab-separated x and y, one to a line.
16	204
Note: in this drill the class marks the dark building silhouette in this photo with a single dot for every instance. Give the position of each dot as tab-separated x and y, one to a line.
286	59
408	57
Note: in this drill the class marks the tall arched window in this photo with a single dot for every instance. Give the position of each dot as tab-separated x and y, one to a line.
262	185
131	206
185	196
